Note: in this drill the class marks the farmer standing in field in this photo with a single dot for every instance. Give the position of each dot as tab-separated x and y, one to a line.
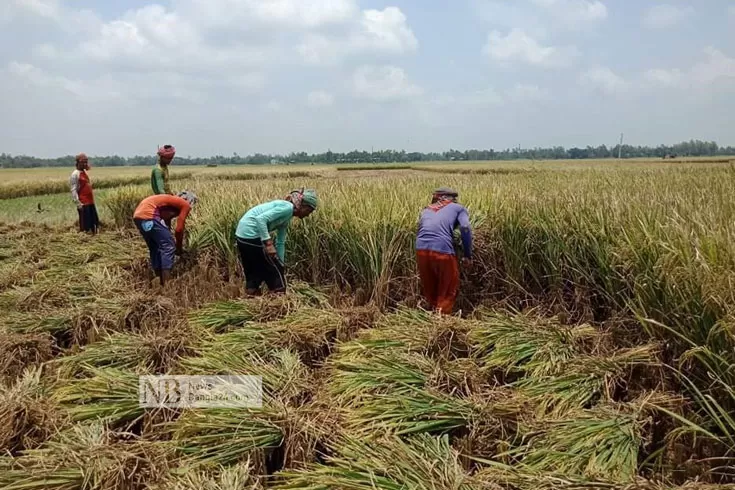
437	262
150	218
261	260
83	196
159	174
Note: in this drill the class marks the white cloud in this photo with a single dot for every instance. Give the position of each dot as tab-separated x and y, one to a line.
542	17
517	46
86	91
664	16
716	67
376	31
273	106
42	8
482	98
527	93
574	12
665	78
319	98
299	12
604	80
293	14
731	11
383	83
385	30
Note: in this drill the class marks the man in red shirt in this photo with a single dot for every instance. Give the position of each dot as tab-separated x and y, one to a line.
81	193
151	217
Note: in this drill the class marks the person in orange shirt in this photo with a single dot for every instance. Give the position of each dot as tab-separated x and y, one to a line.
150	218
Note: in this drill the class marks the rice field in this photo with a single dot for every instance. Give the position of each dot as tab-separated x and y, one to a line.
594	346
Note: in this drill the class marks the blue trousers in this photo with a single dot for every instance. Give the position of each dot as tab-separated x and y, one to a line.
160	241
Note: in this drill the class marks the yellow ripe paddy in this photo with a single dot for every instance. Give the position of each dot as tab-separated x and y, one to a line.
594	346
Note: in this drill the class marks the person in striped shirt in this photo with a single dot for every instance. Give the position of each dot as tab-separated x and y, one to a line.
83	196
150	218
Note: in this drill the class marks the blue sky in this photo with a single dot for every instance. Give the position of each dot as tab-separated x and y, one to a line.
245	76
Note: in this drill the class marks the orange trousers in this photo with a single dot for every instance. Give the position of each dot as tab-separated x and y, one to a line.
439	275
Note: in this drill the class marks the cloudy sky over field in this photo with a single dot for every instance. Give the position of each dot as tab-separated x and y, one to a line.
224	76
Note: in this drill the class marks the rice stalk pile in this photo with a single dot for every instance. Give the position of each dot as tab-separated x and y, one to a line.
86	456
27	416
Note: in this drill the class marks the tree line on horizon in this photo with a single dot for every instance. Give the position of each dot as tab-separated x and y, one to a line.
693	148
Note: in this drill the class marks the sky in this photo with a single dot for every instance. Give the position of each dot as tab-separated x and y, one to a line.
217	77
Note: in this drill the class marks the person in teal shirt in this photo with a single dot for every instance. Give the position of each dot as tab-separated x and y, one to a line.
261	260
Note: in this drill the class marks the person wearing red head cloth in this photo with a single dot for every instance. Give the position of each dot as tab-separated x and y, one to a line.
83	197
159	175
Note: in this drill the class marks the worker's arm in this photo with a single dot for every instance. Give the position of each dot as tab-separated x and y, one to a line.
158	185
74	184
181	221
465	230
281	242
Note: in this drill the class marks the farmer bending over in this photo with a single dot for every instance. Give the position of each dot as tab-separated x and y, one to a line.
261	260
159	174
150	217
81	193
438	268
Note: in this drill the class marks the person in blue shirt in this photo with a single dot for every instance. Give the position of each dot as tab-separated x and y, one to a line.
261	260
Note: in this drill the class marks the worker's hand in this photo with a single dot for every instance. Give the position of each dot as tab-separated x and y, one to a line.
179	251
466	262
270	249
80	206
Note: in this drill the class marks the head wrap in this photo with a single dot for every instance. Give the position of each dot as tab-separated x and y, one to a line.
189	197
444	194
81	158
306	197
167	152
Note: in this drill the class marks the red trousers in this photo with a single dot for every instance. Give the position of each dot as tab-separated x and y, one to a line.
439	275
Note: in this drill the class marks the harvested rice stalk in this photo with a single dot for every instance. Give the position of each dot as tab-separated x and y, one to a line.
390	463
596	444
308	331
241	476
87	457
440	336
284	375
109	394
141	311
27	416
19	351
412	412
232	314
584	381
38	323
503	477
355	372
534	347
151	352
226	315
221	436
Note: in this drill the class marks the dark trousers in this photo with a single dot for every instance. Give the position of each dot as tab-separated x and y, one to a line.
259	267
88	219
160	241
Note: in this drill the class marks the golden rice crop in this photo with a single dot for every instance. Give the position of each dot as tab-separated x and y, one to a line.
622	257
